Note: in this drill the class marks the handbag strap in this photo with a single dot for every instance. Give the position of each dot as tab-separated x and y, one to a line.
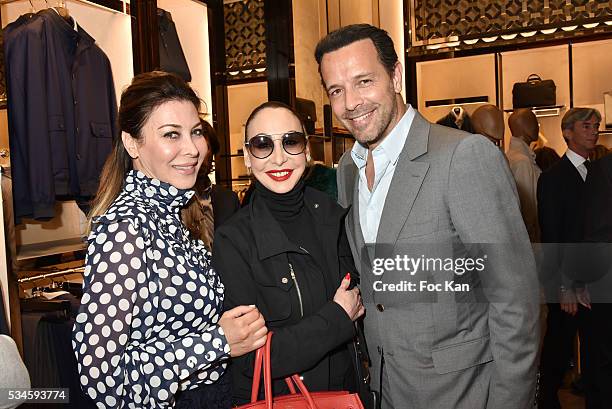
290	386
534	78
304	390
256	374
267	368
262	358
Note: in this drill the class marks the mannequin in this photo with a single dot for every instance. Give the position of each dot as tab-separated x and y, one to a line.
524	125
488	120
525	130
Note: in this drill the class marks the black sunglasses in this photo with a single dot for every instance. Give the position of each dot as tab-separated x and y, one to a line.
262	145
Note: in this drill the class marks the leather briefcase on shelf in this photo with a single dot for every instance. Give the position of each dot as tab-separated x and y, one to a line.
295	400
535	92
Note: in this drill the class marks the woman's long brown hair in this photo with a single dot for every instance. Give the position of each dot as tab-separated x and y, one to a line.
146	92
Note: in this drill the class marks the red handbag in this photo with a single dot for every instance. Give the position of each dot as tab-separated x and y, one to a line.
295	400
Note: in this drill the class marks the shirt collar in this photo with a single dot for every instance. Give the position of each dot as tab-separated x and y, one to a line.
81	36
392	145
160	194
576	159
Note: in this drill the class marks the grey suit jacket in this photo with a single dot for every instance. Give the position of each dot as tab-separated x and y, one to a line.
452	197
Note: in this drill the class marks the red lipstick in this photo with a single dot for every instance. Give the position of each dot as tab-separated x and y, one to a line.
280	175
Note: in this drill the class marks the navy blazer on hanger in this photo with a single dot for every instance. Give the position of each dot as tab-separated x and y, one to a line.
62	112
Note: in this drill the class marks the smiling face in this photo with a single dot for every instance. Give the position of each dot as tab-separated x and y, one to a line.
582	138
280	171
172	147
363	94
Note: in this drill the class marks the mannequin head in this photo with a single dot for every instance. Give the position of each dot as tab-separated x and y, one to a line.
488	120
524	125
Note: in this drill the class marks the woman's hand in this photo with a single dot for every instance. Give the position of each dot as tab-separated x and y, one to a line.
349	300
244	328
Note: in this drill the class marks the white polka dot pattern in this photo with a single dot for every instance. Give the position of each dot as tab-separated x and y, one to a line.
139	336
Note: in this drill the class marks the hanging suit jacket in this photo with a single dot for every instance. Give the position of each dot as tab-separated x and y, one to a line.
171	56
451	121
62	111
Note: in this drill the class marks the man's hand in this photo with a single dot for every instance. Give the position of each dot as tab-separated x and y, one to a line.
568	301
583	297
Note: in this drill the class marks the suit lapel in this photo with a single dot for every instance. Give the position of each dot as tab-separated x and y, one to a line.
406	183
571	169
349	197
356	223
364	260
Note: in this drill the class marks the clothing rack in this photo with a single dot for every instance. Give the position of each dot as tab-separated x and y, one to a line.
51	274
89	3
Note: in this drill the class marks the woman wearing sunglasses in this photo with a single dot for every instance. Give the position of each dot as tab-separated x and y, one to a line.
287	253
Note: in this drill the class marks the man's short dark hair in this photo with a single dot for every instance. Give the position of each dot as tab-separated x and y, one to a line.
355	32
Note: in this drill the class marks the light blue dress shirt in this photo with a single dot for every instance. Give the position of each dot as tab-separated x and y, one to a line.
385	156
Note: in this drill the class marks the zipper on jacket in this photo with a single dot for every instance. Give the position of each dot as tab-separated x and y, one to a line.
297	287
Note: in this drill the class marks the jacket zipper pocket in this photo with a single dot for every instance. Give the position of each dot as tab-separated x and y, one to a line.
297	287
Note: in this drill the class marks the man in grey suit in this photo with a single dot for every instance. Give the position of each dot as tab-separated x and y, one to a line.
447	273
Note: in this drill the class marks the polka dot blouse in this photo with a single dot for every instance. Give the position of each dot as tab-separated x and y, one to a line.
147	325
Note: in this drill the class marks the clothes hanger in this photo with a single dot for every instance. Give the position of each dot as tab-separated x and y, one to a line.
63	12
457	111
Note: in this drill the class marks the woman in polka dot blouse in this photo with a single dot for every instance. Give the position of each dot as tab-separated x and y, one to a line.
150	323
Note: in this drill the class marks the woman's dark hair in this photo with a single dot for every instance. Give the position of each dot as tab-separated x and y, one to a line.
146	92
211	137
193	214
207	165
546	157
355	32
271	104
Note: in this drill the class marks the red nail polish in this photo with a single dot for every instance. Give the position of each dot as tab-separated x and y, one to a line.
347	276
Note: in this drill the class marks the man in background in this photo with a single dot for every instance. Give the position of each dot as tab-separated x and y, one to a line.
596	255
560	209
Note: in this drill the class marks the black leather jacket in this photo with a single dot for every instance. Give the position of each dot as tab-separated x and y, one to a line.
255	259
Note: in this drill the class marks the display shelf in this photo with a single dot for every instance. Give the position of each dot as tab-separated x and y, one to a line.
338	132
543	111
49	248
